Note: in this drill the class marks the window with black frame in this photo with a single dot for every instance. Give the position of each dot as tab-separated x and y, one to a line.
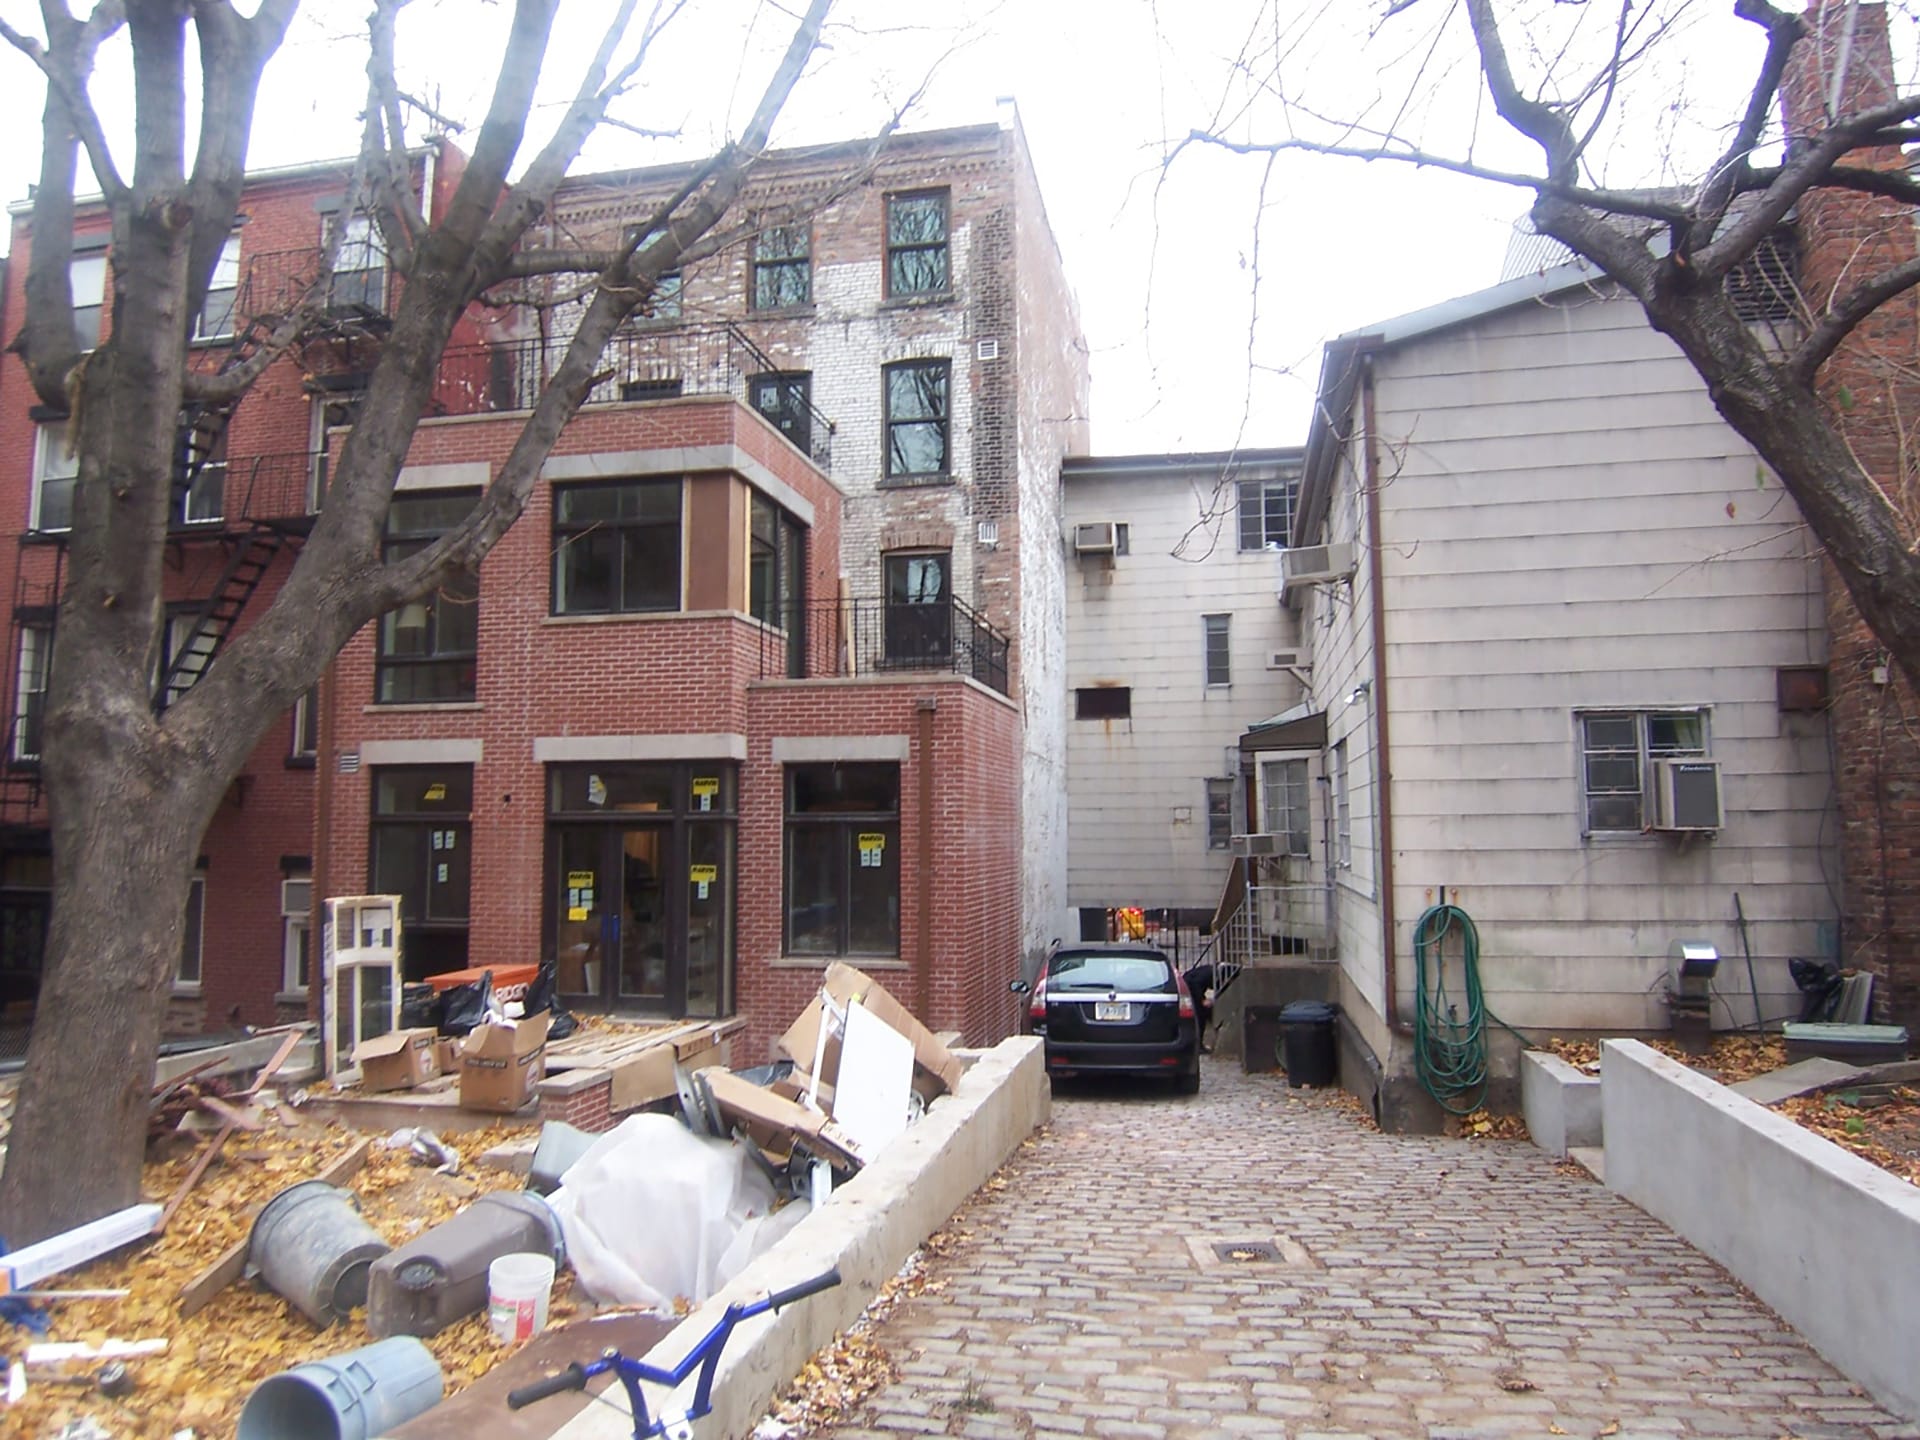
428	649
783	267
919	625
785	399
616	547
420	849
917	258
1266	512
776	575
917	418
843	859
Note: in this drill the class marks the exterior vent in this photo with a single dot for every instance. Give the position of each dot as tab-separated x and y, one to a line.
987	350
1310	564
1093	539
1686	795
1288	660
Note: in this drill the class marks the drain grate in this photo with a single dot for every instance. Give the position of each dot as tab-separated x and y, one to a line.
1246	1252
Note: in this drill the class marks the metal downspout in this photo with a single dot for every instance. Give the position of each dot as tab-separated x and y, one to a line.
923	846
1382	757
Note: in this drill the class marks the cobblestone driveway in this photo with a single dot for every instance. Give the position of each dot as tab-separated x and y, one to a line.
1423	1287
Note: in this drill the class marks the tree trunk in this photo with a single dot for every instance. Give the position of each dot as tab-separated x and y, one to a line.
125	857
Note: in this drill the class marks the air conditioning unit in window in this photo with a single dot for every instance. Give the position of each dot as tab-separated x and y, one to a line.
296	899
1093	539
1686	795
1259	844
1289	660
1310	564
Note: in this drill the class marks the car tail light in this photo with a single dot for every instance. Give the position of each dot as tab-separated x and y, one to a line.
1037	1006
1186	997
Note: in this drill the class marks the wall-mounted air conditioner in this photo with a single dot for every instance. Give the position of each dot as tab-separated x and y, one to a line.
1686	795
1311	564
1259	844
1289	660
296	899
1093	539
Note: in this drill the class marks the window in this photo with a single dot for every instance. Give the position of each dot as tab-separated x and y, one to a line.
88	276
1219	660
664	303
916	395
1266	512
420	840
1283	802
1342	808
786	400
56	470
187	643
296	905
919	617
428	649
616	548
776	576
917	244
782	267
1220	813
306	726
359	266
1615	751
1103	702
200	470
669	388
186	975
843	860
30	695
215	320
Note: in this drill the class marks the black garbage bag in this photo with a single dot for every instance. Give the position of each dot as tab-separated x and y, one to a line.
420	1007
544	994
1820	984
463	1007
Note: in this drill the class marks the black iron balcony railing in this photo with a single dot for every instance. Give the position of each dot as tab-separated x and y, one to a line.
652	362
853	638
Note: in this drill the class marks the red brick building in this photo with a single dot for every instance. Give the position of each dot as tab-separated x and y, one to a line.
750	687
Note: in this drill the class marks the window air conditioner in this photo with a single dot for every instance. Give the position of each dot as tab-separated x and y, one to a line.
1259	844
1686	795
296	899
1288	660
1093	539
1309	564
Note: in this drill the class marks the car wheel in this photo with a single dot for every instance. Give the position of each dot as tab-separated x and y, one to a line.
1189	1083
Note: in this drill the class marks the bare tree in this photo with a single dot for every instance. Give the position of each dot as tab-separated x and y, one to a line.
131	791
1676	248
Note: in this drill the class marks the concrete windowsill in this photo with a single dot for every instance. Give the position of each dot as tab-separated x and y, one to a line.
431	707
821	962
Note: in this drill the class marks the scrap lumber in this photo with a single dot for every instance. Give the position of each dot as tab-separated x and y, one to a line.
232	1264
231	1117
212	1149
272	1066
33	1263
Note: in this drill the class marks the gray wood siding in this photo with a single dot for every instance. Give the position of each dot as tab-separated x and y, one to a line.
1567	525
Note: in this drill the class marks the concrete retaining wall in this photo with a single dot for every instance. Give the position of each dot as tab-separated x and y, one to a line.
1562	1104
869	1228
1829	1241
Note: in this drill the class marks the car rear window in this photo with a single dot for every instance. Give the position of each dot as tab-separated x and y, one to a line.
1136	973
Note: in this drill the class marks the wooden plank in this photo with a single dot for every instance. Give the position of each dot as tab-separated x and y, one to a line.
231	1117
232	1264
279	1058
212	1149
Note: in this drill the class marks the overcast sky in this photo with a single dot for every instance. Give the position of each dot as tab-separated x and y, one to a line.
1163	261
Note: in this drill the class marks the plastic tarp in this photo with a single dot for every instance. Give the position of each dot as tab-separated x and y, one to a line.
654	1214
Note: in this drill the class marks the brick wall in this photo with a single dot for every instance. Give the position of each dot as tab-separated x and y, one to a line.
1873	396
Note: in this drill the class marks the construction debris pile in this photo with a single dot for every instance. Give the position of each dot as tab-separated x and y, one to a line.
282	1258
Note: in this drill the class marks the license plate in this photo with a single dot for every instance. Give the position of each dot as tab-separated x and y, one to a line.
1112	1010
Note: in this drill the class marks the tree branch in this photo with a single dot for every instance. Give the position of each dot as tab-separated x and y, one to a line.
398	213
1784	31
1540	123
1845	315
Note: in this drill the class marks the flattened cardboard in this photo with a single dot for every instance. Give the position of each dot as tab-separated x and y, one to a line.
500	1064
641	1079
398	1060
446	1054
936	1070
774	1122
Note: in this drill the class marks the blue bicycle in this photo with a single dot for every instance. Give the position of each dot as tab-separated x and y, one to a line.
704	1356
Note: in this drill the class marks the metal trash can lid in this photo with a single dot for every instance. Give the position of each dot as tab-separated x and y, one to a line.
1300	1012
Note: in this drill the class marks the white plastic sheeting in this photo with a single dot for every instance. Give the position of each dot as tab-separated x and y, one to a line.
654	1214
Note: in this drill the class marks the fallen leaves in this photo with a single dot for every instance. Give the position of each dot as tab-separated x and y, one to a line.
1886	1135
1485	1125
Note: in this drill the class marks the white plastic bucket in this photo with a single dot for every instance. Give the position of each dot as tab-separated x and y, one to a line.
518	1287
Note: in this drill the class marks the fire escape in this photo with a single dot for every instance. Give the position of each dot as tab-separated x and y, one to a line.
230	516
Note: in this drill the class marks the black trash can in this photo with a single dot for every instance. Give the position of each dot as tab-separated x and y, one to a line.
1306	1033
1260	1039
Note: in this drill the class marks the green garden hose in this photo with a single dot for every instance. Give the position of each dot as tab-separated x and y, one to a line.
1449	1046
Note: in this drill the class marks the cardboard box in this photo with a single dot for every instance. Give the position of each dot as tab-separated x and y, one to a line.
398	1060
775	1123
641	1079
500	1064
446	1054
936	1070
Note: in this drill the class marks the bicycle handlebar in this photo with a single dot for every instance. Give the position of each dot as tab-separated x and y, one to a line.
574	1377
804	1289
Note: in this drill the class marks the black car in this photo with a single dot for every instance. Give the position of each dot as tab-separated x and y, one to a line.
1115	1009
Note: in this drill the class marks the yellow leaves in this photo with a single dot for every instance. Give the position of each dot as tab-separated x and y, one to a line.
1612	1427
